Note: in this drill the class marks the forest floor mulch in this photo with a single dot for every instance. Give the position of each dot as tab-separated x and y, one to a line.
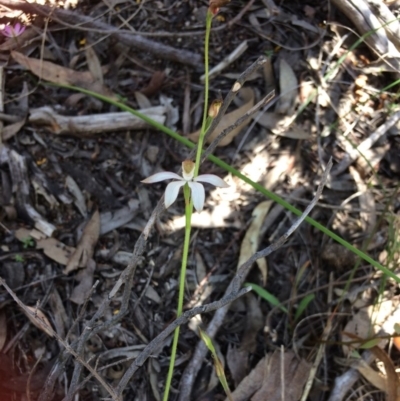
74	211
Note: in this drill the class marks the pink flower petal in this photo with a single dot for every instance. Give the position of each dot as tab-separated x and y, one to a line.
212	179
7	31
171	192
198	195
165	175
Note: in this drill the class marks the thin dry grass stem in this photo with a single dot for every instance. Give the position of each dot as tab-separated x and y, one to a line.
381	58
193	367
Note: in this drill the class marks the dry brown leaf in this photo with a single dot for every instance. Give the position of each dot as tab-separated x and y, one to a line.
391	384
295	375
39	319
10	130
252	382
155	84
368	321
229	119
251	239
282	125
264	381
370	374
142	100
3	328
84	250
85	278
94	65
237	361
55	250
254	322
392	379
60	75
23	233
61	320
288	85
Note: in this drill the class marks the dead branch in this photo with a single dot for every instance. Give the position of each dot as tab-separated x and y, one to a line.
93	123
194	366
73	19
19	173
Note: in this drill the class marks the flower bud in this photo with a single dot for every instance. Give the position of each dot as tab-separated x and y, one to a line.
215	5
214	108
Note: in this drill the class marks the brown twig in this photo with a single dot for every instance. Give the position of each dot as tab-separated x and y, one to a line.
73	19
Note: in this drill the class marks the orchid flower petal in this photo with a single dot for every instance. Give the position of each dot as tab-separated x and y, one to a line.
198	195
212	179
165	175
18	28
7	31
171	192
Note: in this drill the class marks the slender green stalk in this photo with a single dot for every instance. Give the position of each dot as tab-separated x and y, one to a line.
206	89
189	212
185	254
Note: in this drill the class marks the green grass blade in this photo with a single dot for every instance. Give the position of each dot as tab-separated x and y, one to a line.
267	296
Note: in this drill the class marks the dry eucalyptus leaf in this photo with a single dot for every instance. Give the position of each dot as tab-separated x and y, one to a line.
142	101
251	239
281	125
61	320
10	130
237	361
368	321
84	250
23	233
55	250
264	382
392	379
252	382
254	322
39	319
60	75
85	278
229	119
94	65
288	85
370	374
295	375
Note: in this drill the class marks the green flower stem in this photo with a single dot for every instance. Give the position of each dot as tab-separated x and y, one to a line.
204	125
185	254
189	211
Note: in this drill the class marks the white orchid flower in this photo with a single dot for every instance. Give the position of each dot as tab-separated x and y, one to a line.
197	189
